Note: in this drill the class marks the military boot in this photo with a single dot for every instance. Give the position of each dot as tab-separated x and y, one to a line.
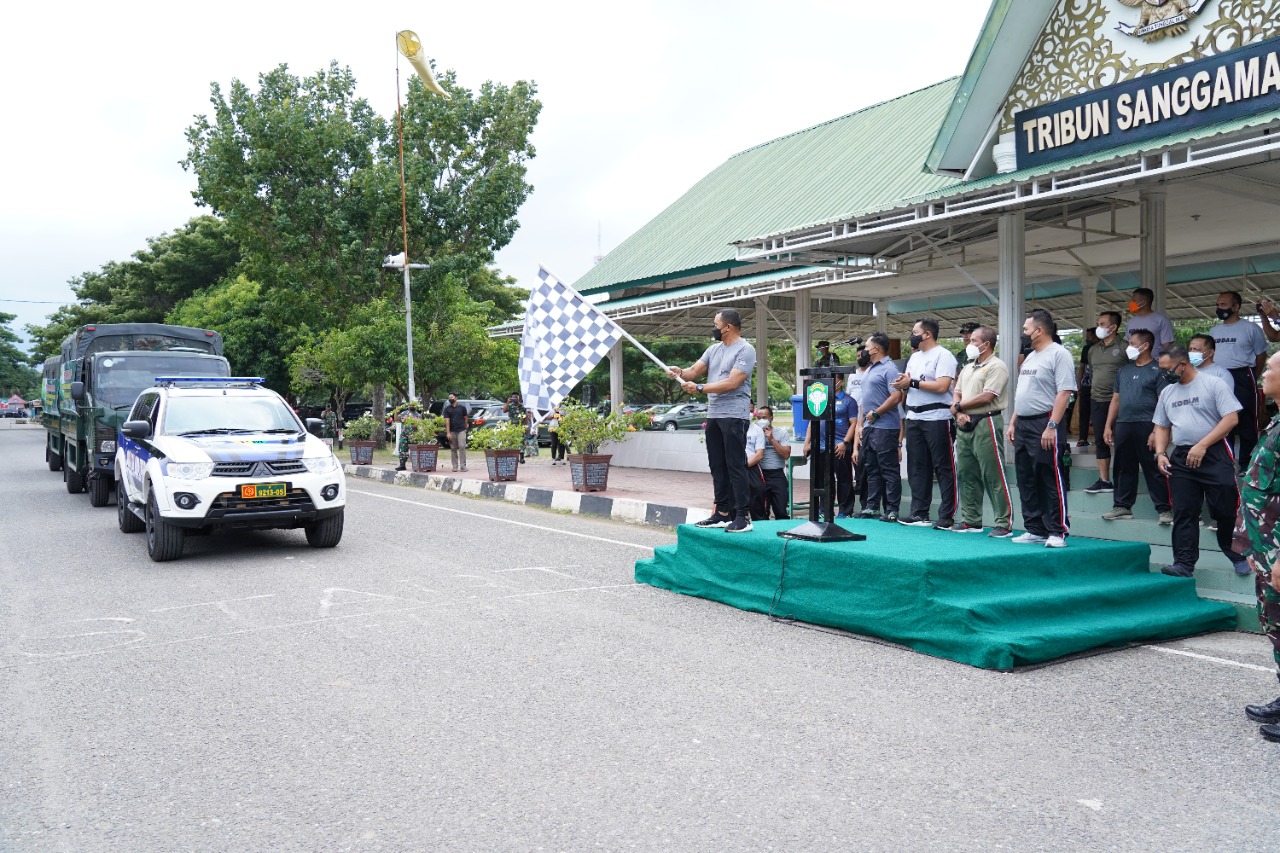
1269	713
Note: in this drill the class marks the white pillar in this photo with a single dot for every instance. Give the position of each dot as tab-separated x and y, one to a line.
1152	251
615	377
882	317
1088	300
762	352
1013	305
804	341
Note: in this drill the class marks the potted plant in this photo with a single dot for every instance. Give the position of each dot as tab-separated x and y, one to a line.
585	430
359	435
501	446
424	447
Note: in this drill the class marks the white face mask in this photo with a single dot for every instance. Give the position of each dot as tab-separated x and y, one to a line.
1133	353
1102	332
762	422
972	351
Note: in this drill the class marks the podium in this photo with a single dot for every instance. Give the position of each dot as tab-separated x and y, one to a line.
818	391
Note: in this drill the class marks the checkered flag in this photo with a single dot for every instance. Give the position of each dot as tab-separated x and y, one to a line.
565	336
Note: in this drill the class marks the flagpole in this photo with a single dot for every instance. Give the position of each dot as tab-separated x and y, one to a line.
404	224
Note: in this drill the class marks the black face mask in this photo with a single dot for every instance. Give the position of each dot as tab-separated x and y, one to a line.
916	340
1026	344
864	360
1224	314
716	334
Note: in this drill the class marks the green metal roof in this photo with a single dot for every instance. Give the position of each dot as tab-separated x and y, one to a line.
869	158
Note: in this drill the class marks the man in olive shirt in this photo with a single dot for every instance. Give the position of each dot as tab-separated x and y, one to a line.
1193	417
1105	358
981	395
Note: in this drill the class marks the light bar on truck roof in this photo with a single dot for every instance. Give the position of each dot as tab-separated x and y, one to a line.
210	381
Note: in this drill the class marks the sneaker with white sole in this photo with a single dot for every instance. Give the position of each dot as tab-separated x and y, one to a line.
1099	487
1166	518
1055	542
741	524
1117	512
965	527
1029	539
716	520
1000	533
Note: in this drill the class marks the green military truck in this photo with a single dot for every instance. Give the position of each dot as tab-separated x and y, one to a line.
90	386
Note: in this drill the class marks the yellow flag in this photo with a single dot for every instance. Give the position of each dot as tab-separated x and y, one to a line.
411	47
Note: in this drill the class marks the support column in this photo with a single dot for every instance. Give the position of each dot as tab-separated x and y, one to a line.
762	352
882	317
1088	300
615	377
804	339
1153	249
1013	304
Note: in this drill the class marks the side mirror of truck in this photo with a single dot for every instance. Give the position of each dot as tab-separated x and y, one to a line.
77	391
136	429
315	426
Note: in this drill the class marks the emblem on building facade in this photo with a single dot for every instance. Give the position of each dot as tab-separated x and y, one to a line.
1158	19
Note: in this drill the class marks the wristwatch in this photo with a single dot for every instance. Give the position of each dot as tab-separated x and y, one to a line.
699	387
1051	425
914	383
873	416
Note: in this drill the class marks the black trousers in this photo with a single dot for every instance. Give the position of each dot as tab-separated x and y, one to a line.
844	481
1083	403
727	458
775	494
1099	409
860	479
1043	493
884	478
930	456
1131	453
1246	431
1214	483
557	447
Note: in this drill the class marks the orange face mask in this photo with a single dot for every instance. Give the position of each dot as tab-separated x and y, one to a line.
1134	307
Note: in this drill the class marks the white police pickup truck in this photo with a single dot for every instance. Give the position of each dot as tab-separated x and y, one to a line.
223	453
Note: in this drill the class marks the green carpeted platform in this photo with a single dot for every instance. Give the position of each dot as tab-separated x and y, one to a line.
965	597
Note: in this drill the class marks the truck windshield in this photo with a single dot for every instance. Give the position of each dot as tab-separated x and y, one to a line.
118	379
192	415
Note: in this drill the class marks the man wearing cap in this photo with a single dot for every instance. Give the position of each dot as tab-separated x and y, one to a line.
966	336
826	358
1241	348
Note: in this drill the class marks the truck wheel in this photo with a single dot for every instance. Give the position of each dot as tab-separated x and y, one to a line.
54	459
164	541
75	480
129	523
100	488
325	533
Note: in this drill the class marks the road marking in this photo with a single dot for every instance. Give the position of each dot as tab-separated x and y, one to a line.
1197	656
574	589
504	520
540	569
221	604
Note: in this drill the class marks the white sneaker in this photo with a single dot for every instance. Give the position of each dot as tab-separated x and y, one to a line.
1028	539
1055	542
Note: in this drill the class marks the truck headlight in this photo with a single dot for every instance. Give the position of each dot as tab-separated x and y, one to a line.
189	470
107	447
320	464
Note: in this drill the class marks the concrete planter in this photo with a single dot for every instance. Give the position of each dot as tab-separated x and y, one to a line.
589	472
423	457
361	452
503	465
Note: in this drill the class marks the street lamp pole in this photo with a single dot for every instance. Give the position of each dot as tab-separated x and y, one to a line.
398	262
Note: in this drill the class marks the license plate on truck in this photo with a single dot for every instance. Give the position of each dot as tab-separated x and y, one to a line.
264	490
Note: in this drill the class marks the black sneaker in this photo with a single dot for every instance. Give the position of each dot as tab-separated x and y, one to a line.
891	517
1100	487
1269	713
1000	533
1177	570
868	514
916	521
716	520
741	524
945	524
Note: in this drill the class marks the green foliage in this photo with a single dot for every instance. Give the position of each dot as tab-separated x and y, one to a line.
15	375
425	429
363	428
585	429
146	288
505	436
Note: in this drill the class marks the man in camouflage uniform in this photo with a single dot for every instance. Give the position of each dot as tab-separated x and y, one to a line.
1257	538
329	419
402	447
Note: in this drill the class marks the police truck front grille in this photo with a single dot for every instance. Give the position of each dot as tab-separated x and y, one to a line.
230	504
258	469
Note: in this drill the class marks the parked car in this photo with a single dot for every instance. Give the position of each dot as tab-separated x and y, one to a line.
678	416
493	416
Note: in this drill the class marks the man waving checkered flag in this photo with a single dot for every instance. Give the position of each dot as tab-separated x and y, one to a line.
565	336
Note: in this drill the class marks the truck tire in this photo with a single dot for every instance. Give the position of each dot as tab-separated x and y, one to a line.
164	541
129	523
100	489
54	459
74	480
325	533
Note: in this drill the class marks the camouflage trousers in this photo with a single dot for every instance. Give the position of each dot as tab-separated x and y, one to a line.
1269	613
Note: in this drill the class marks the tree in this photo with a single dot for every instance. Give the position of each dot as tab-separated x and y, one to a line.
147	287
15	374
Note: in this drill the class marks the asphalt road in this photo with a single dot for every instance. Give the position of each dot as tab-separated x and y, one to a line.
466	674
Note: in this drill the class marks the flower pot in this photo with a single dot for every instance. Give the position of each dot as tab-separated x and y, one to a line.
589	472
502	464
423	457
361	452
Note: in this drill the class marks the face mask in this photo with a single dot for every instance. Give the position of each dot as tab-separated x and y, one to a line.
864	360
1134	307
1224	314
916	340
972	351
1196	358
1026	343
1102	332
1133	353
762	422
716	334
1172	376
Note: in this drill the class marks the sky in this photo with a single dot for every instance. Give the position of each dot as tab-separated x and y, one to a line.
640	100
